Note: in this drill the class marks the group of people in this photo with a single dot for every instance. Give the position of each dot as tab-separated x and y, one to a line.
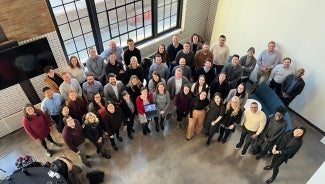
192	79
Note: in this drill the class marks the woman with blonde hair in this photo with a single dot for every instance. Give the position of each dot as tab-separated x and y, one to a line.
231	118
93	130
133	87
134	69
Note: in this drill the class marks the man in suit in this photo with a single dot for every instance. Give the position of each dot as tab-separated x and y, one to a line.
292	86
113	89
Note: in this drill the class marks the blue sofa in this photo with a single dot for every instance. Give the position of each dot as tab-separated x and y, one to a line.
269	101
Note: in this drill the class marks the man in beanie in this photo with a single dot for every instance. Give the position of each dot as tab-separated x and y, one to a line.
248	63
274	128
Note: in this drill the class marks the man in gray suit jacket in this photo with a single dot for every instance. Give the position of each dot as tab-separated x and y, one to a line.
174	85
113	89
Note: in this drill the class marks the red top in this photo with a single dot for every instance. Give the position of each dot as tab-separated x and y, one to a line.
38	127
139	102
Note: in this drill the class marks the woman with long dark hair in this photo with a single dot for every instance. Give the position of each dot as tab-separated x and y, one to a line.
183	100
199	86
285	149
129	111
76	69
214	115
152	85
164	55
97	105
240	91
144	99
38	126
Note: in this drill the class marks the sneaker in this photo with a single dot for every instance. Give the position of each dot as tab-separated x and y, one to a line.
242	154
120	139
237	146
57	144
48	153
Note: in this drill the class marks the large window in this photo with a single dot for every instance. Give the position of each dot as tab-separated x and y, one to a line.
85	23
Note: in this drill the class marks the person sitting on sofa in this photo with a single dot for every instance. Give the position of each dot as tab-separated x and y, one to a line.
292	86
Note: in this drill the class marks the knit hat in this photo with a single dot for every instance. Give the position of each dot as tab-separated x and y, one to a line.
251	49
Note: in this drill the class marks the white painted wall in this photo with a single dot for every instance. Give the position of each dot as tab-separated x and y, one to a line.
298	28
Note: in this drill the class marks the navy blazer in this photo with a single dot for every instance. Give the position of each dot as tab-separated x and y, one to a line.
296	90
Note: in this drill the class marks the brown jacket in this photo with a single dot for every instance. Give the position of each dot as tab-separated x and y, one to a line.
51	84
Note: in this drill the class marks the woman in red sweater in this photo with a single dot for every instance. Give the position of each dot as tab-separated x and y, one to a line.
144	99
38	125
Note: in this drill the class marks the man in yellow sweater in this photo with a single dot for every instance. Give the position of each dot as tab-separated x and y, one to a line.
252	124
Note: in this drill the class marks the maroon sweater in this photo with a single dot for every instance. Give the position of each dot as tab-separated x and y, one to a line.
38	126
113	121
73	137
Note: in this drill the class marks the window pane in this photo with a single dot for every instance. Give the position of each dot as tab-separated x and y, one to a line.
121	14
70	47
82	9
174	8
167	11
104	32
89	39
85	24
100	5
110	4
76	30
80	43
166	24
112	16
71	12
161	3
60	15
123	27
133	35
55	3
148	32
114	30
83	55
102	19
140	33
160	26
65	31
160	13
173	21
124	38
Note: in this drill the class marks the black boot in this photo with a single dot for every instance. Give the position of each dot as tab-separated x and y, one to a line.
270	180
147	128
113	144
144	129
130	136
162	123
208	141
157	125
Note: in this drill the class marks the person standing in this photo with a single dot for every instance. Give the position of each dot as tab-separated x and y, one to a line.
131	51
230	119
73	136
189	57
159	67
69	84
220	85
53	79
172	50
197	114
77	106
234	71
213	116
248	63
274	128
113	119
240	91
134	69
183	100
292	86
94	132
76	69
207	71
252	124
116	67
51	105
164	55
155	79
129	111
113	89
187	72
113	48
162	100
285	149
91	87
196	44
220	53
96	65
202	55
38	126
144	99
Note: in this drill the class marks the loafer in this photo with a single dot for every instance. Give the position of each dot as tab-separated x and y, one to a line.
57	144
270	180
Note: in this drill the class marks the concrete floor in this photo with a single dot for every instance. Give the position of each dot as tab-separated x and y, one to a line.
166	157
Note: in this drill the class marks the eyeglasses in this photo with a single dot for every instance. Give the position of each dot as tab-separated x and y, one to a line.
253	107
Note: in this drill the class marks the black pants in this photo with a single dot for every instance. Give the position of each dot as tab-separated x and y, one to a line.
218	68
246	136
129	125
276	86
180	115
56	120
43	142
224	133
277	161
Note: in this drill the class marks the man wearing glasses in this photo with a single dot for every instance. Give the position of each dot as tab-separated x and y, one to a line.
252	125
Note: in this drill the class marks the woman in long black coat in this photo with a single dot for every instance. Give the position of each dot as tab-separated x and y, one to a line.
285	149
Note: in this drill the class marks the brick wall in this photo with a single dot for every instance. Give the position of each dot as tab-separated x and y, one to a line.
25	19
28	26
